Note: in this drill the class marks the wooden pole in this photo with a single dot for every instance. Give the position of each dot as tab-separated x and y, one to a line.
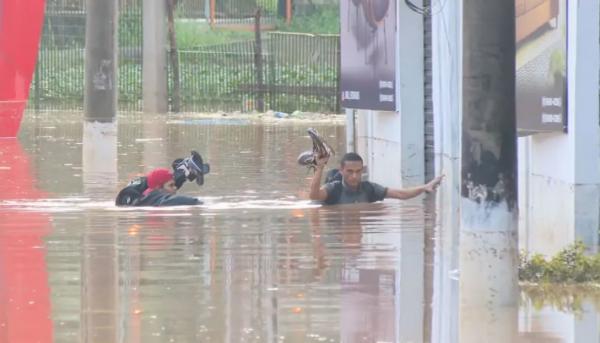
258	62
174	57
288	11
213	4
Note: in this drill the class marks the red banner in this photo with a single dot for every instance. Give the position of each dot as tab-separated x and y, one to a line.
21	25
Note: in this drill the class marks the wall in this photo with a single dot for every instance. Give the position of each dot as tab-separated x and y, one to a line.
391	143
560	174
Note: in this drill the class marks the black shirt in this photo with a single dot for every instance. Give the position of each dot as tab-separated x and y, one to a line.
339	193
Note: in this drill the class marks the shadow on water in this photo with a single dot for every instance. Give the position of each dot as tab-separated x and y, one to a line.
256	263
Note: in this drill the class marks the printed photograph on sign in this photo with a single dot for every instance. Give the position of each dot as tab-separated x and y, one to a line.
541	65
368	29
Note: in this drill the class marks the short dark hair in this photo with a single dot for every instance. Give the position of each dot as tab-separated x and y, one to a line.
350	157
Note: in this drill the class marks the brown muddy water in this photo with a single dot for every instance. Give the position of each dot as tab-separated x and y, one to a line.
256	263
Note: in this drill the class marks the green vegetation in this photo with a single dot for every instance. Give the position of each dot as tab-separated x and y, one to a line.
130	28
232	77
565	282
217	70
570	265
209	81
194	34
325	20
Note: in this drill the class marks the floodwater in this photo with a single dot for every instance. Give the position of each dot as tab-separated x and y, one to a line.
256	263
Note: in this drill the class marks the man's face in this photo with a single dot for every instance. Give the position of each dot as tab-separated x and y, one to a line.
352	173
170	187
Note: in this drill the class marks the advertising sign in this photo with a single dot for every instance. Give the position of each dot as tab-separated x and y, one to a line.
541	65
368	49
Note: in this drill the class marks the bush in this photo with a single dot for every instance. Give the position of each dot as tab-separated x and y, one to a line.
570	265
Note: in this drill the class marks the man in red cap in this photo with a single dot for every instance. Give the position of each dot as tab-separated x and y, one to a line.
161	191
158	187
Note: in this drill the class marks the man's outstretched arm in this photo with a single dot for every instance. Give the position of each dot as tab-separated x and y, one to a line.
408	193
317	192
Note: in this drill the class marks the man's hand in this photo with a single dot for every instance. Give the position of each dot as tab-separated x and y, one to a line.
432	185
322	161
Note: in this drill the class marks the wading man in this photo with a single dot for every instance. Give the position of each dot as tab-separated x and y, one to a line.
349	188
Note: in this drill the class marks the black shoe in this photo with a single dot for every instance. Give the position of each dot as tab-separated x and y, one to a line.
197	168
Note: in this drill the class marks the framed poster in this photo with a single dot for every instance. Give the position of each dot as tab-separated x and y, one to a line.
368	54
541	65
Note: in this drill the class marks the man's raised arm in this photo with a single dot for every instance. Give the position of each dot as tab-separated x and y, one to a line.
408	193
316	191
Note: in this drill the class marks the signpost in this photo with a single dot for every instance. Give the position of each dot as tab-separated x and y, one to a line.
368	49
541	66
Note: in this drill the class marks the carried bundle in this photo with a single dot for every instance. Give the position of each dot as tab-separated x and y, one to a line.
320	149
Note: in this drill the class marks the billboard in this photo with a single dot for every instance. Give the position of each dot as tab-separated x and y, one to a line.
368	54
541	65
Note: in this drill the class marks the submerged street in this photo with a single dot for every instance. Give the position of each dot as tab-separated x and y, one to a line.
256	263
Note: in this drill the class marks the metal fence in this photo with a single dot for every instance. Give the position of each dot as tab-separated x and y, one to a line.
59	78
227	11
304	72
299	71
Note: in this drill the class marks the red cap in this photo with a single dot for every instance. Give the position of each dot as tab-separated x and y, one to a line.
158	177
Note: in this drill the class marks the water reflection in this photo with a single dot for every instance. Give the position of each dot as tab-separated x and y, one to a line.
257	263
24	293
99	261
488	287
560	313
99	158
154	143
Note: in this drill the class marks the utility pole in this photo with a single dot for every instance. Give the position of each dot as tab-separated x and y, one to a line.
174	56
99	273
154	69
100	101
258	62
488	286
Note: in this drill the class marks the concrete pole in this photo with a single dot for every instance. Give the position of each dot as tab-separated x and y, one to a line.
350	130
154	72
488	284
155	143
446	93
100	101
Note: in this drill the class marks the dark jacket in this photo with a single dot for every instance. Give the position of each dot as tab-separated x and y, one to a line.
159	197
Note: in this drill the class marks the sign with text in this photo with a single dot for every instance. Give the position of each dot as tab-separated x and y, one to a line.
541	66
368	54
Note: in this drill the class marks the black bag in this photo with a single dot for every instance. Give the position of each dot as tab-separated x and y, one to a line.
133	192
